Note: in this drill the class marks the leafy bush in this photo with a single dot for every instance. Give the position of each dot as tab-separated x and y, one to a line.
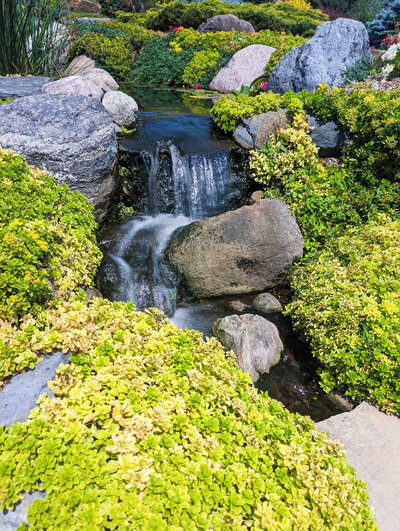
153	427
50	237
276	17
347	303
30	38
114	53
199	65
137	35
159	65
384	22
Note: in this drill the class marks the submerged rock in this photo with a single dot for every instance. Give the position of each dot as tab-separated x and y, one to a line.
256	131
71	137
74	86
324	59
225	23
267	303
242	251
19	87
253	339
122	108
244	67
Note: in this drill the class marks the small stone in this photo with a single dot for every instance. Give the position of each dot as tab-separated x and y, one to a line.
260	127
253	339
101	78
73	86
122	108
267	303
255	196
237	306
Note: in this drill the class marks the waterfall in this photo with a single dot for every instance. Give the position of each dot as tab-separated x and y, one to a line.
181	187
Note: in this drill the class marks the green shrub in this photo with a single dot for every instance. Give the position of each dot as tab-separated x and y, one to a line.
159	65
114	53
347	303
138	35
199	65
50	237
153	427
276	17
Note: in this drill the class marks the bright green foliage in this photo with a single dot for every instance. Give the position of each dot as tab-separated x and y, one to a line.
228	111
7	100
114	53
46	233
199	65
348	303
138	36
153	427
325	199
276	17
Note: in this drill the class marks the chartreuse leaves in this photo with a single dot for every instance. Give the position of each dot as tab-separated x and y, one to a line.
154	428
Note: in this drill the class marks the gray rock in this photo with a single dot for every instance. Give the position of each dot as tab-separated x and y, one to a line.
91	20
253	339
242	251
79	64
74	86
11	520
323	59
237	306
244	67
19	396
328	137
256	131
71	137
255	196
101	78
267	303
122	108
372	443
18	87
225	23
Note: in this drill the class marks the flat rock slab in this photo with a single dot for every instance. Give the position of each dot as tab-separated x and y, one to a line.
372	443
11	520
18	87
19	396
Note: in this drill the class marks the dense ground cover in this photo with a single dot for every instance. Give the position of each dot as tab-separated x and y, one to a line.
349	311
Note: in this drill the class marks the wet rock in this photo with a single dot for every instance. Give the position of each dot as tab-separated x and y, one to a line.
74	86
255	196
334	47
329	137
242	251
253	339
79	64
256	131
237	306
84	6
371	440
71	137
19	87
122	108
267	303
101	78
225	23
19	396
244	67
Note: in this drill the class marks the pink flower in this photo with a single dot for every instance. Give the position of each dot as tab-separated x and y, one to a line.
373	48
196	86
263	85
170	27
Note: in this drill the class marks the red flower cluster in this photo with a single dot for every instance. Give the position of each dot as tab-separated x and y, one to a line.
176	28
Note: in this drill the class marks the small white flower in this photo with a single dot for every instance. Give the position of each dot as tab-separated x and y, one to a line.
387	69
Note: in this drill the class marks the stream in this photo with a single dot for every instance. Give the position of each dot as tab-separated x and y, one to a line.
189	172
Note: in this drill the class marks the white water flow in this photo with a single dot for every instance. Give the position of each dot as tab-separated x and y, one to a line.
134	266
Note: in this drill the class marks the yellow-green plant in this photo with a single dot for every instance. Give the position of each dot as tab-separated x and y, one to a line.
152	427
199	65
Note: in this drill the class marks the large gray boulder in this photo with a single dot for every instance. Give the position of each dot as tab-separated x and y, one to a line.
323	59
253	339
19	87
244	67
71	137
225	23
122	108
242	251
100	78
74	86
371	440
256	131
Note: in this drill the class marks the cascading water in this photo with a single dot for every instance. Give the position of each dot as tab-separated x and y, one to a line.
182	186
